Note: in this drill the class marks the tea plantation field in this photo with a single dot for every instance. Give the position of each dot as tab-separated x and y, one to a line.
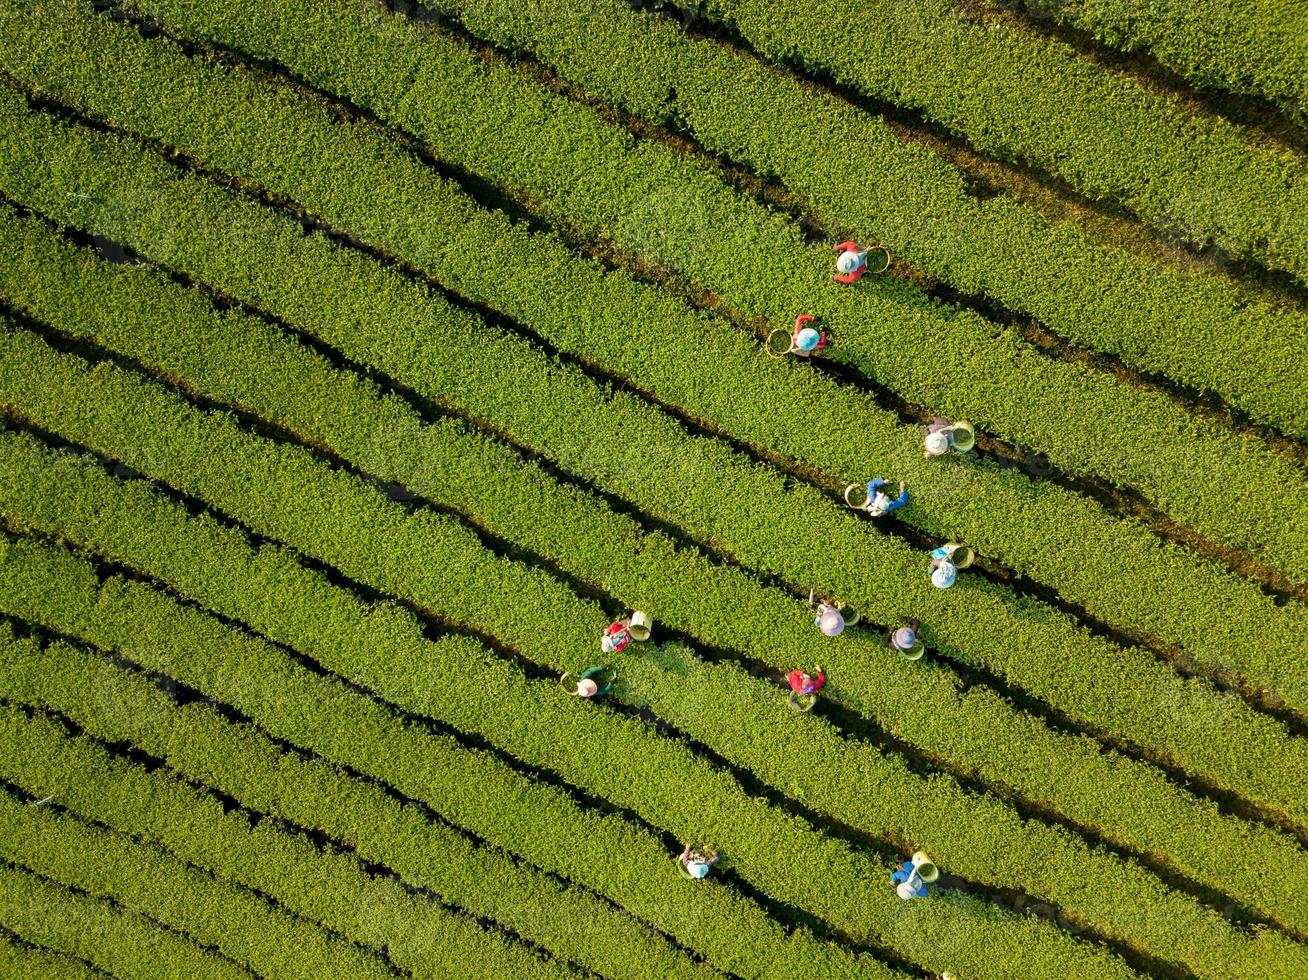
361	362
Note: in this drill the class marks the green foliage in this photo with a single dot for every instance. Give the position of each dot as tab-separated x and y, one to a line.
473	788
593	175
606	753
1191	328
1254	48
245	362
574	923
974	501
329	703
20	962
118	941
213	912
1008	92
430	561
882	577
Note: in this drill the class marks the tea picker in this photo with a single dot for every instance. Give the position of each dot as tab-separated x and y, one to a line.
943	435
594	682
802	341
946	561
832	616
913	876
873	499
694	864
829	620
943	574
905	642
803	695
851	261
618	636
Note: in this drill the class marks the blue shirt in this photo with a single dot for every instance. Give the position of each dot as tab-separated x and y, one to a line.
903	874
895	504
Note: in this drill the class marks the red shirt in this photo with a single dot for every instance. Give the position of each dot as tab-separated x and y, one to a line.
801	683
857	273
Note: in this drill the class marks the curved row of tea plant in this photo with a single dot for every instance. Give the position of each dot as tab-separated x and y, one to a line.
118	941
243	361
26	962
573	923
1195	177
596	749
192	648
977	624
159	807
136	202
576	166
472	788
412	554
859	178
215	912
1251	48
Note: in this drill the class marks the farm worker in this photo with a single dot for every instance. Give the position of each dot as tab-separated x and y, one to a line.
879	502
937	437
695	864
904	638
806	340
617	637
909	882
851	262
595	682
804	685
829	620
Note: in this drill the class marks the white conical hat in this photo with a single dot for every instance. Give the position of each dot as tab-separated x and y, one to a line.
847	262
831	622
944	575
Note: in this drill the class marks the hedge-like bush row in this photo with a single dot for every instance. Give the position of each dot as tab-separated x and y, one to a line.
530	818
213	912
244	362
982	624
196	649
1023	640
596	749
1196	178
575	166
1253	48
361	914
1063	540
416	556
1036	678
23	962
118	941
859	178
574	923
